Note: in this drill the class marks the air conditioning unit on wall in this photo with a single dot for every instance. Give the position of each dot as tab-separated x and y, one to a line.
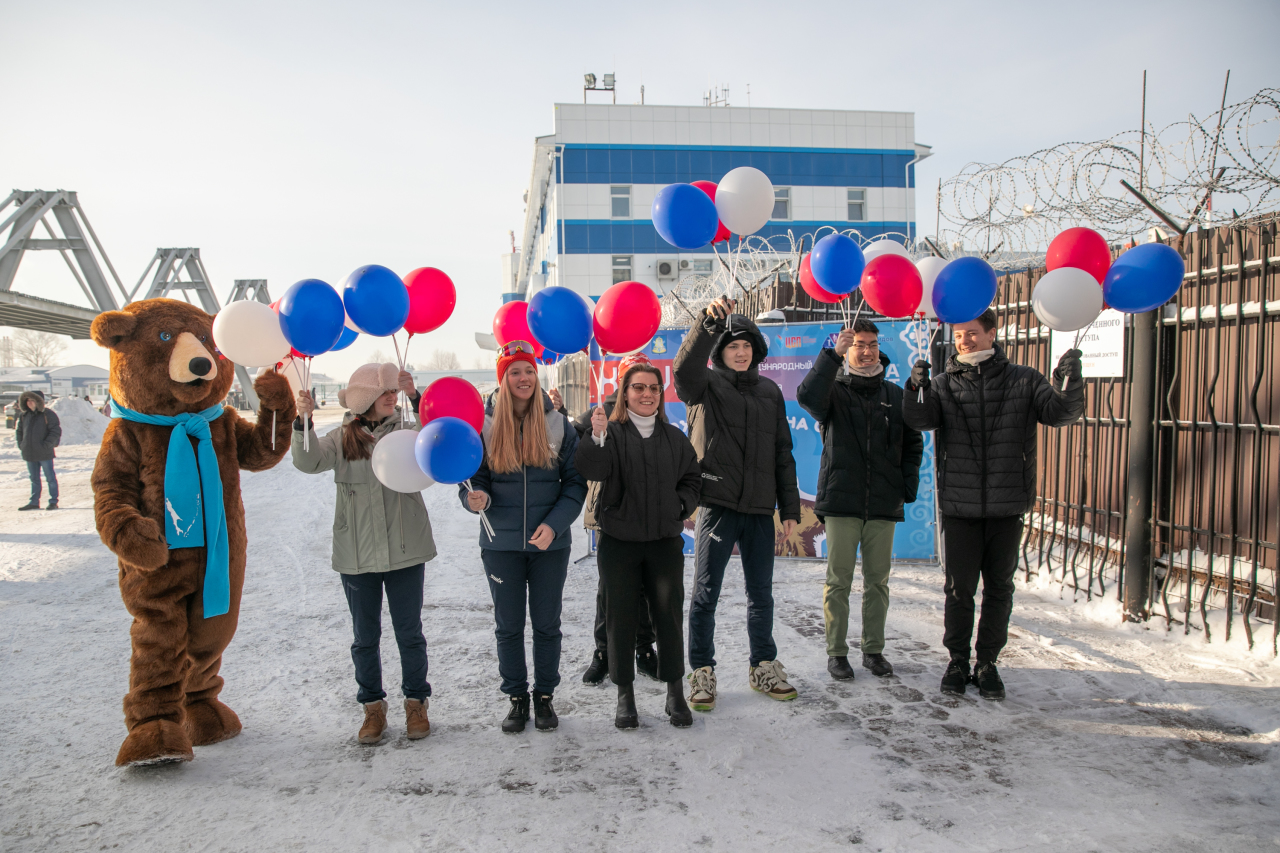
667	268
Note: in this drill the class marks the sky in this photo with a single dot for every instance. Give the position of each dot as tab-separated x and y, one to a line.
302	140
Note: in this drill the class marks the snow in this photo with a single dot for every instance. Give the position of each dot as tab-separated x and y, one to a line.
1114	737
81	422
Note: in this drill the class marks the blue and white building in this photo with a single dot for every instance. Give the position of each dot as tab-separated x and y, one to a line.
593	180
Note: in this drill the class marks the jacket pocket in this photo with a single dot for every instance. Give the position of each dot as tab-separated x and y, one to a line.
344	529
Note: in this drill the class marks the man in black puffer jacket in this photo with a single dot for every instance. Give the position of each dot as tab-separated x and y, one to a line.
738	425
986	411
37	433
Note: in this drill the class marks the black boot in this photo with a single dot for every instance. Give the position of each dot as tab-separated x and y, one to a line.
987	677
53	504
647	661
544	716
598	670
31	505
956	677
519	714
626	717
677	707
879	667
839	668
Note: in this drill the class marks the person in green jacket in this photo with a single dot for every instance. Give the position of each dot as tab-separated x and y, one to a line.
381	539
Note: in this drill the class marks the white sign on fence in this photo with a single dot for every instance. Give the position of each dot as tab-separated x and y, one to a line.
1102	345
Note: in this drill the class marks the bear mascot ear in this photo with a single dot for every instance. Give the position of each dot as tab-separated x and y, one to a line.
112	328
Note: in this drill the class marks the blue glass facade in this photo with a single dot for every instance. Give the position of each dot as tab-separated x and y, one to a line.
638	236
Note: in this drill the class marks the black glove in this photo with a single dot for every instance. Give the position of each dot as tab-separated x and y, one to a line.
920	375
1069	366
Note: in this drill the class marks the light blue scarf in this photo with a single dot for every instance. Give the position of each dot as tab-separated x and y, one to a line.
186	476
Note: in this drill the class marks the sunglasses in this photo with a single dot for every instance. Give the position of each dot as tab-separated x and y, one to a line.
513	347
640	388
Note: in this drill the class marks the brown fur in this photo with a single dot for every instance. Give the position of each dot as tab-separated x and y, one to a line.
173	675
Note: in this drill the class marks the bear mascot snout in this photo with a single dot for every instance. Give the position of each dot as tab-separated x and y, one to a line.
166	490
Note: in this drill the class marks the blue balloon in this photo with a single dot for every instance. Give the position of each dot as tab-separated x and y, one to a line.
549	357
376	300
963	289
685	216
560	319
311	316
837	264
449	450
1143	278
346	339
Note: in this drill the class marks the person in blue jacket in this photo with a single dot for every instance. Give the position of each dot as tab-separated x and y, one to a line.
531	493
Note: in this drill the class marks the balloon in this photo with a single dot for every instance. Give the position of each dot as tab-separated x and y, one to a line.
626	317
709	187
685	216
395	465
892	285
511	323
549	357
431	300
963	290
816	291
1067	299
837	263
884	247
1143	278
452	397
248	333
1082	248
560	319
449	450
311	316
744	200
346	339
929	268
376	300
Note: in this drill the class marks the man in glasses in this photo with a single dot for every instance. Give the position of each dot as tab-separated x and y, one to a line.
870	469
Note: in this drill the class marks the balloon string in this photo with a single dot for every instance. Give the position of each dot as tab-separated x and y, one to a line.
1067	379
305	379
484	519
400	360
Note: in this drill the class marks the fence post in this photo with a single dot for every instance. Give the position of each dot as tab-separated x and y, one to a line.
1138	503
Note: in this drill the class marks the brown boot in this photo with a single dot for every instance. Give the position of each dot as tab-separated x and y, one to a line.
209	721
415	718
375	721
155	742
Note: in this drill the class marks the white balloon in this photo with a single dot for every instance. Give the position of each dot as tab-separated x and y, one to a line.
351	324
929	268
396	466
884	247
248	333
1067	299
744	200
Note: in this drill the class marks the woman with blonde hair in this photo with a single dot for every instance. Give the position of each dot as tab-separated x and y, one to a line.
531	493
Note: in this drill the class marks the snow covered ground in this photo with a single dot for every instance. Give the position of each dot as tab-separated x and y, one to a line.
1113	738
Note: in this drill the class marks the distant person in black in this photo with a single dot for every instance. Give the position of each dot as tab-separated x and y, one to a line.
37	432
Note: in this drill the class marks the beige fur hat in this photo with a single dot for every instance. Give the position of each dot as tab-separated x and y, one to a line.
367	384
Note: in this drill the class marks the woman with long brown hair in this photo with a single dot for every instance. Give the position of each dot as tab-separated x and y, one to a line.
531	492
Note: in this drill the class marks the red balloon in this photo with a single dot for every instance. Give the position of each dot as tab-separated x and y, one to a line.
815	290
511	323
626	317
453	397
275	306
1082	248
432	298
892	285
709	187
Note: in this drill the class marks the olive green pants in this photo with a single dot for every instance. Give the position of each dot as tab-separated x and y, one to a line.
844	537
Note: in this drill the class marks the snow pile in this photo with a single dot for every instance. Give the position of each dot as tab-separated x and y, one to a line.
81	422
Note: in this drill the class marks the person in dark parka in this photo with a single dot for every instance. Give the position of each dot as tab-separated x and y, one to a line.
986	411
37	433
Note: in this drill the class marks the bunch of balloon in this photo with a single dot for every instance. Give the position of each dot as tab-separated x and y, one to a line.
709	187
744	201
450	450
1068	298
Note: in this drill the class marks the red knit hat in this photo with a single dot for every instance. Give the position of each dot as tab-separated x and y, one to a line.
514	351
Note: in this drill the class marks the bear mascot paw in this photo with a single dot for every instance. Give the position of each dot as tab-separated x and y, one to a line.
166	489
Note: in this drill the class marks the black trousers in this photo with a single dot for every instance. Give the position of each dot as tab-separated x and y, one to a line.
404	600
644	622
985	548
656	567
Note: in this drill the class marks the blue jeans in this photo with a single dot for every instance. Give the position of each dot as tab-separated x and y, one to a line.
540	575
404	600
719	529
34	469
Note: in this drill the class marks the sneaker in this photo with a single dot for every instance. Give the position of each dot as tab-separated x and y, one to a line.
375	722
647	661
838	666
544	716
956	677
416	723
52	505
769	678
519	714
987	678
31	505
879	667
702	689
598	670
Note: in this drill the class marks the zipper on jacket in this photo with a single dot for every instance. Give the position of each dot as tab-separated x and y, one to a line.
355	531
982	436
524	472
866	481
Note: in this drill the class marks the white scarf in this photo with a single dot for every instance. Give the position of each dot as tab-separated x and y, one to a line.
975	357
867	372
643	425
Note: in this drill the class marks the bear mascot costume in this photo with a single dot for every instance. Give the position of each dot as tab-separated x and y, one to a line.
166	492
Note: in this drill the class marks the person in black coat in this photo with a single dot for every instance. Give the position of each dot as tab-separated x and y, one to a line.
870	468
649	484
738	425
986	411
37	432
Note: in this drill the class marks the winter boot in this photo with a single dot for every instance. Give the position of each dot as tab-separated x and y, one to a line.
375	722
838	666
626	716
544	716
879	667
416	723
647	662
30	505
987	677
677	708
519	714
598	670
956	677
769	678
52	505
702	689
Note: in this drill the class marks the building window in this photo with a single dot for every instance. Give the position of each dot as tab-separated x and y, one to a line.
857	205
702	266
620	199
781	203
621	268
